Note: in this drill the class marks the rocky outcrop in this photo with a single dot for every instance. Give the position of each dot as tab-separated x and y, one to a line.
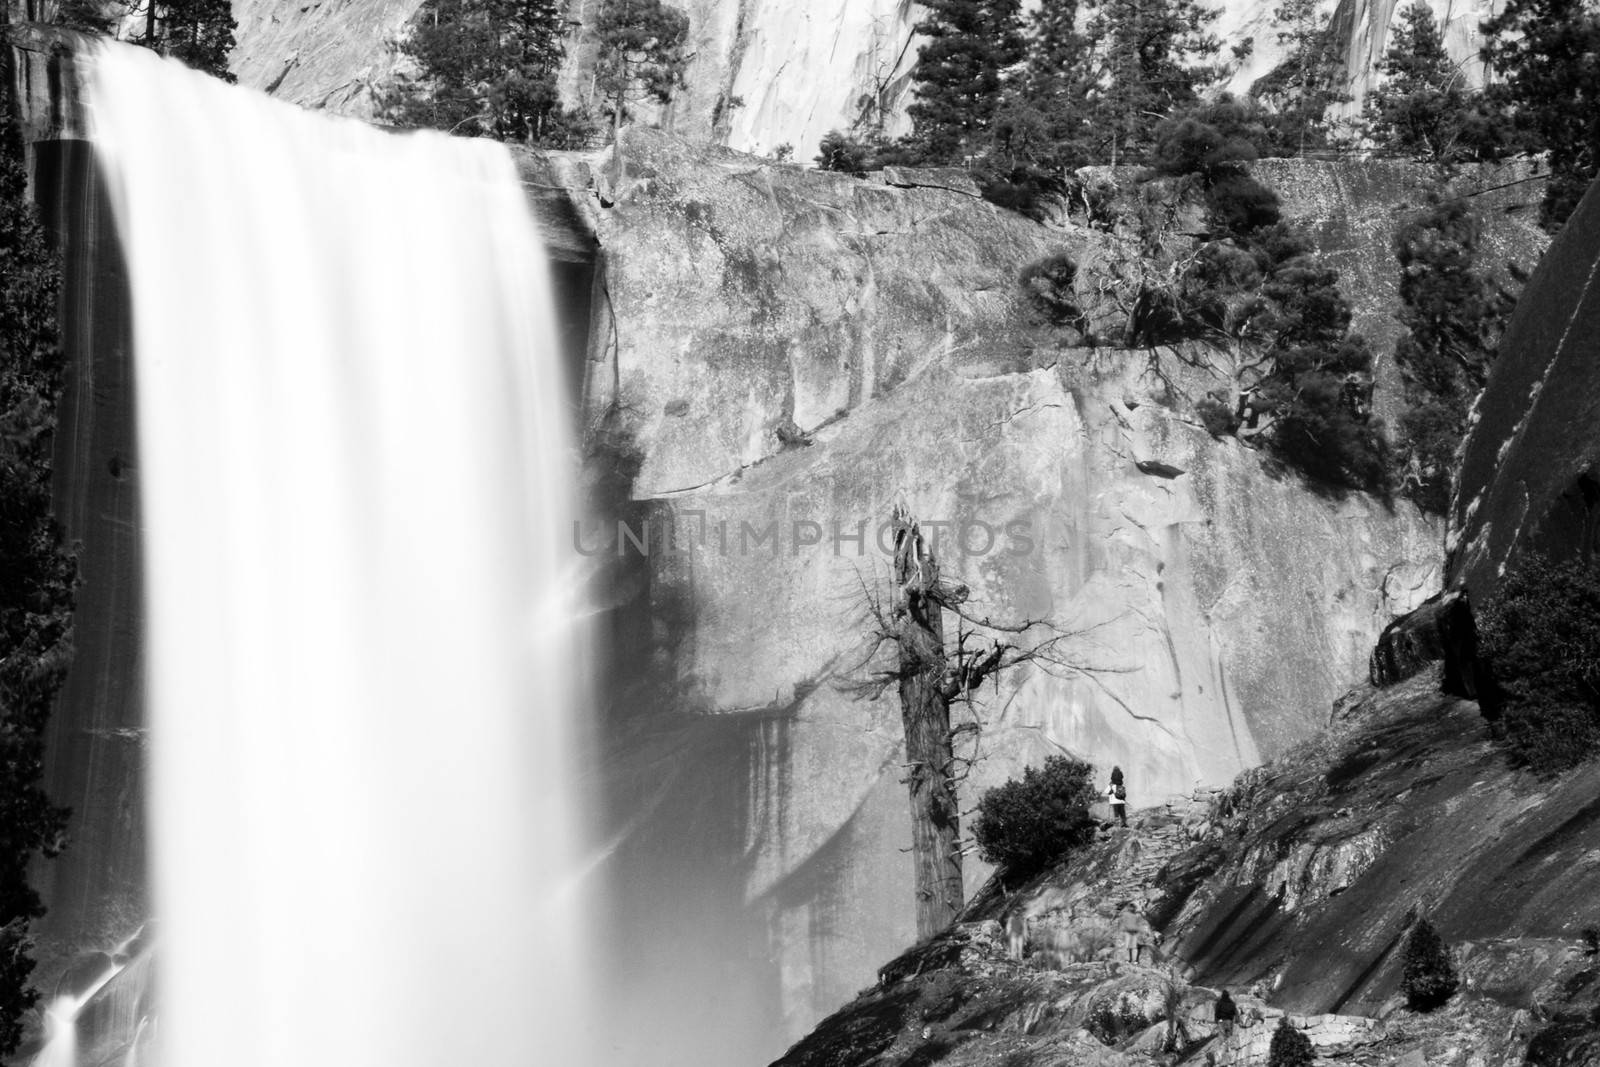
782	356
763	73
1293	889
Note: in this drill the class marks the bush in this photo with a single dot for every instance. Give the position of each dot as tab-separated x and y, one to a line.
1430	976
1048	285
1540	634
843	153
1238	204
1032	821
1290	1047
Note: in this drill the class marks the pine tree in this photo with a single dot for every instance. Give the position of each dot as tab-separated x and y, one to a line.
1544	51
1308	82
196	32
960	73
36	573
487	68
1422	108
1151	59
1430	975
1290	1047
641	53
1453	313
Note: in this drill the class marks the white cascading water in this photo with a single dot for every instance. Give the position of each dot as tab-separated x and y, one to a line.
355	469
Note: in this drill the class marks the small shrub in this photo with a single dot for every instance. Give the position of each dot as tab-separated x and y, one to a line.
1430	975
1111	1023
1540	634
1238	204
1219	418
1049	287
1032	821
1290	1047
843	153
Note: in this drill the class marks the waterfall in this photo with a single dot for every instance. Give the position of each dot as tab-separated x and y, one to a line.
356	469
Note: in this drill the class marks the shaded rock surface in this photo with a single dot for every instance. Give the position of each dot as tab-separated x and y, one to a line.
1530	468
1291	889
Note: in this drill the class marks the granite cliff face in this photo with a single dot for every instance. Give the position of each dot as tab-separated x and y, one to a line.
783	355
1530	469
764	73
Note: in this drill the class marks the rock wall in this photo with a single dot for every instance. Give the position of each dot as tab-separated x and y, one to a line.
1530	468
787	355
764	73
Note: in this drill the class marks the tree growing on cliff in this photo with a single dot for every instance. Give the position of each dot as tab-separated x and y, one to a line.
641	54
1290	1047
486	68
960	74
931	673
196	32
1151	58
1454	313
1544	52
36	572
1429	977
1028	822
1309	80
1421	107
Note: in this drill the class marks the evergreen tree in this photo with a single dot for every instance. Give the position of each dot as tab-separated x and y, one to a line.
1454	313
1290	1047
1544	51
1430	975
196	32
487	68
1309	81
960	72
641	53
1151	59
1422	109
36	574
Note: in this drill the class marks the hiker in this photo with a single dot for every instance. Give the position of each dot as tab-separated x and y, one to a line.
1135	932
1118	795
1226	1011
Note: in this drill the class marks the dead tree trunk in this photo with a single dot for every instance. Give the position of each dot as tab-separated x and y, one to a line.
925	713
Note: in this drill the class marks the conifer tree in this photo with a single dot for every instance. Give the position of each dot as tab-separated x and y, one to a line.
1454	313
641	53
1151	58
1290	1047
36	573
1309	81
1430	975
196	32
960	73
486	68
1422	108
1544	53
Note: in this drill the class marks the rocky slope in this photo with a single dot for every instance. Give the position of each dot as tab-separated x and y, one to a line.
764	73
786	348
1293	888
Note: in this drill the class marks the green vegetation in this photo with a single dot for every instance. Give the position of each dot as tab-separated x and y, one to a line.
1454	313
641	53
1310	79
1429	978
1028	823
1049	287
486	68
36	573
958	74
1544	52
1423	108
1290	1047
1540	634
